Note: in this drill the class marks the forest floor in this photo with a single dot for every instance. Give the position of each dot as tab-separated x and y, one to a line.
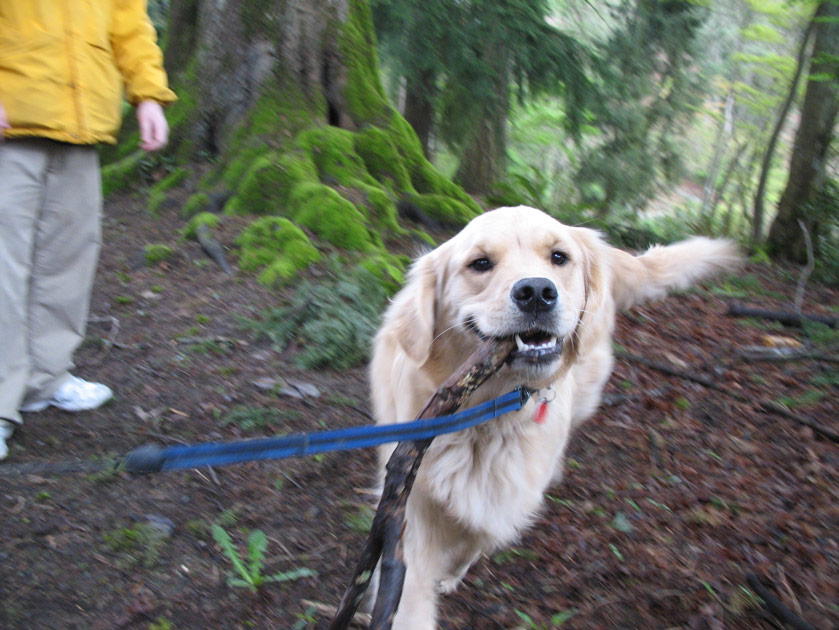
674	492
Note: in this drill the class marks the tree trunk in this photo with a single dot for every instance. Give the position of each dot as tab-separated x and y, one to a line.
286	97
419	108
815	132
757	222
484	153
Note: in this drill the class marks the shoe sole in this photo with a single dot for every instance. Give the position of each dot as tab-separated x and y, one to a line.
34	407
40	406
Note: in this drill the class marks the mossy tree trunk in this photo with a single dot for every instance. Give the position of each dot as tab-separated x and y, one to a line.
285	97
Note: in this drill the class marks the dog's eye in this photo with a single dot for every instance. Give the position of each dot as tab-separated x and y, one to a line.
481	264
559	258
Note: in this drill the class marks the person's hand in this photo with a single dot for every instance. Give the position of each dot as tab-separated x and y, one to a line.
4	121
154	130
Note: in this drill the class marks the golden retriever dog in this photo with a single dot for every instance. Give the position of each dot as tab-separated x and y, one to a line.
511	272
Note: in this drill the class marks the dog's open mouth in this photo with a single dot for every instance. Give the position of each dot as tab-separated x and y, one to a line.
536	346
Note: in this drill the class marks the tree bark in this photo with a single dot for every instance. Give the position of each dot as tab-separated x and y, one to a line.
484	152
766	165
812	140
419	108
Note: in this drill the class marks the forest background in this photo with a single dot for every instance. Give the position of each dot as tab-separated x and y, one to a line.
648	119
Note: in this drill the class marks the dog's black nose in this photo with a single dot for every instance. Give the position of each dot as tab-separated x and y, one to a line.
534	295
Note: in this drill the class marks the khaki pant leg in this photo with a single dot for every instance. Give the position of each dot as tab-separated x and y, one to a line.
22	168
66	250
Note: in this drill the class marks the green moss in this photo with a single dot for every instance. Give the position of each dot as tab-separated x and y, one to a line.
278	246
381	207
209	219
266	187
424	177
444	209
363	93
122	174
196	204
156	253
158	192
388	269
336	220
333	153
376	148
241	164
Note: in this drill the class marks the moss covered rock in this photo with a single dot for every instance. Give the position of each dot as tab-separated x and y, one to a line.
196	204
156	253
202	218
336	220
277	247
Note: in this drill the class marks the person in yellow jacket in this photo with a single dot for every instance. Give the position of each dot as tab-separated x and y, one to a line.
65	68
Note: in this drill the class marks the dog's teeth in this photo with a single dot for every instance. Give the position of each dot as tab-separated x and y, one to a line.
521	345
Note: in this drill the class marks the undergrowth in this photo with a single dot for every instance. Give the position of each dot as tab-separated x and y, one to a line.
332	321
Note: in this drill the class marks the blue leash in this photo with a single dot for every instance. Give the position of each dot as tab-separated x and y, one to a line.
152	458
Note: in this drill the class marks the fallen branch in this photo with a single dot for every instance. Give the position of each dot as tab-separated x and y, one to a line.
772	407
668	369
385	537
775	605
785	317
212	248
751	354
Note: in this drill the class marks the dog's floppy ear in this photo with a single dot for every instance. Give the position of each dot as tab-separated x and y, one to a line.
412	315
595	260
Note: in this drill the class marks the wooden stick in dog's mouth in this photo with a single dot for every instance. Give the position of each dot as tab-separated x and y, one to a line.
385	537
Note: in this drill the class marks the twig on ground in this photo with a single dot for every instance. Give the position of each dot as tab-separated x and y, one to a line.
385	537
775	605
780	410
668	369
212	248
751	354
786	318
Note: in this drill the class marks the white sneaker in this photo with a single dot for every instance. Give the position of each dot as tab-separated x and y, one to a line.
75	394
6	430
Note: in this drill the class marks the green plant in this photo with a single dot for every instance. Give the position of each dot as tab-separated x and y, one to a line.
361	520
161	623
333	321
156	253
142	543
255	418
556	620
248	570
821	334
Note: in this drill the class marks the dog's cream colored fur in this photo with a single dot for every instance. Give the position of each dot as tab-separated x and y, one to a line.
477	489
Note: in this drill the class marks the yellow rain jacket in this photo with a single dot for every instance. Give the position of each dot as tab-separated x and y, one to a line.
65	64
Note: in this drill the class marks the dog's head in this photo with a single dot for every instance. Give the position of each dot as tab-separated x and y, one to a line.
511	272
